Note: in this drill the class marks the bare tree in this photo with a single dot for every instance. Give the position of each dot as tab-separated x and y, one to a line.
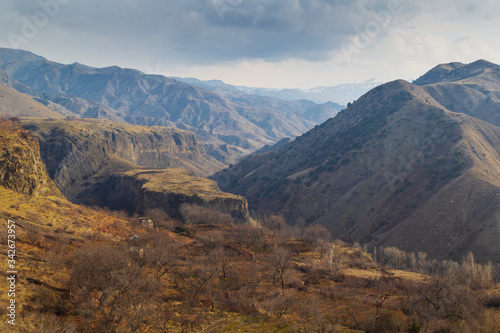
159	216
158	251
477	276
213	239
274	222
395	256
249	236
109	289
43	323
279	261
443	298
194	214
196	277
221	259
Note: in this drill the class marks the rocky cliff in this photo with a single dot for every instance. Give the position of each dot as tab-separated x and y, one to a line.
77	152
138	191
21	168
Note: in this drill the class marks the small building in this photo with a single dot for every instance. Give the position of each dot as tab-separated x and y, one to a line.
146	222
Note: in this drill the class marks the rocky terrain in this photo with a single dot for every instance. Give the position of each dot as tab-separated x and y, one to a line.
22	169
140	191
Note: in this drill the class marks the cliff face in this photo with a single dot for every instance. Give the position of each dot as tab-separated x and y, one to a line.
138	191
77	151
21	168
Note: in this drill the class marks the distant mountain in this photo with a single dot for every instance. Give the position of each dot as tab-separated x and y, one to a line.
340	94
229	128
402	166
277	146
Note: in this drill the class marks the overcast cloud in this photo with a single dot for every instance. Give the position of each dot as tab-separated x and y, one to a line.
277	43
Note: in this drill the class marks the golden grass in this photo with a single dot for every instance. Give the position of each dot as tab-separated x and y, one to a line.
87	126
180	181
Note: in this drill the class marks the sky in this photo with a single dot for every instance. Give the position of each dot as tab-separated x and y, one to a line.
258	43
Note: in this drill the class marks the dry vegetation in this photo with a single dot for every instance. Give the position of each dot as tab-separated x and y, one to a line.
211	277
180	181
87	270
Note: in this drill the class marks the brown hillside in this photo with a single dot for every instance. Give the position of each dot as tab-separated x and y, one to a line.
473	89
82	270
15	104
394	168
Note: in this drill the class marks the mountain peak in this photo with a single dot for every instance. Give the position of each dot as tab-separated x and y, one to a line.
481	63
454	72
15	55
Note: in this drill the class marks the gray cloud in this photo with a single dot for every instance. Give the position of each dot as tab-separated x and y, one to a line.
213	30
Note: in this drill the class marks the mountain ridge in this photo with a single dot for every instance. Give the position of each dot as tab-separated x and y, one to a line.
340	94
383	172
228	128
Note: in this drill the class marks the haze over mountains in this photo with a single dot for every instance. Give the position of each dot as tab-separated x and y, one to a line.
229	128
342	93
411	165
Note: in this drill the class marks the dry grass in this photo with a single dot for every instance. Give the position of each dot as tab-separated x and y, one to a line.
16	104
92	127
180	181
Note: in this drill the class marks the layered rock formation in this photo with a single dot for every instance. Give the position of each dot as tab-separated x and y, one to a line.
75	151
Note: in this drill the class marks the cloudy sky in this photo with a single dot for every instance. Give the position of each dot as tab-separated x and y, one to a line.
266	43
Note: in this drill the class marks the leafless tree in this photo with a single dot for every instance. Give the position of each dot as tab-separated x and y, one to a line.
36	322
159	217
195	277
250	236
194	214
158	251
279	262
109	289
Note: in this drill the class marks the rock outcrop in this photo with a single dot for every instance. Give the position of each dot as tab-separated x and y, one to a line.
138	191
21	168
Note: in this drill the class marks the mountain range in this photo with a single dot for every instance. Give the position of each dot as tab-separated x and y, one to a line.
340	94
107	164
413	165
228	128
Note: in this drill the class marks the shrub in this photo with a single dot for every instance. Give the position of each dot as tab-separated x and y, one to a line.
194	214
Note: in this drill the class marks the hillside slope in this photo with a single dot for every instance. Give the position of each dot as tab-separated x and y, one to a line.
171	190
394	168
15	104
473	89
84	270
